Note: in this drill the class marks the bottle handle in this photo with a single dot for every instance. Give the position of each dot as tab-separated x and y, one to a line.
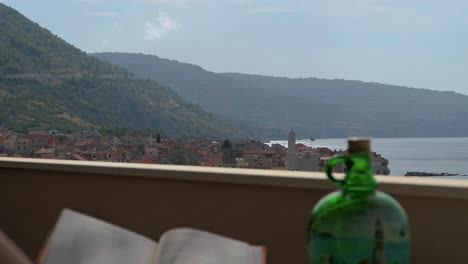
329	169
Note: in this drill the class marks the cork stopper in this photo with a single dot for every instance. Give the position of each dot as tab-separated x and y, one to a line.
359	145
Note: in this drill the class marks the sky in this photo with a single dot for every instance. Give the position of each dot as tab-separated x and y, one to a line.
415	43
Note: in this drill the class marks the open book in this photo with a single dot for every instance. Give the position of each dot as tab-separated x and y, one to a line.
81	239
10	253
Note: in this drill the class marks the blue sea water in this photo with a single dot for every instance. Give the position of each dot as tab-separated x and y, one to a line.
449	155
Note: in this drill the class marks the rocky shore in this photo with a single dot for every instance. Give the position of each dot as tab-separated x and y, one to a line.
431	174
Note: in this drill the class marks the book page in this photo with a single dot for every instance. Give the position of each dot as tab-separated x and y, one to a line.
10	253
258	254
189	246
80	239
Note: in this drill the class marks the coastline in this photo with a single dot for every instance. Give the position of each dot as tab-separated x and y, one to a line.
443	157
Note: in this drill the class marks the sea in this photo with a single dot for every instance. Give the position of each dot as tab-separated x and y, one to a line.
434	155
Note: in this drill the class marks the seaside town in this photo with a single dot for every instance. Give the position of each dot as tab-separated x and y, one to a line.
144	147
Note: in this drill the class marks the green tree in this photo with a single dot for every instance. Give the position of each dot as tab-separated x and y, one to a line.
226	144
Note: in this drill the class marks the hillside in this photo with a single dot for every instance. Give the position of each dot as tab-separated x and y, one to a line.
47	83
269	106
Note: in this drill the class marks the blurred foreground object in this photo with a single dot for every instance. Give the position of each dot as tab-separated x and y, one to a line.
10	253
357	224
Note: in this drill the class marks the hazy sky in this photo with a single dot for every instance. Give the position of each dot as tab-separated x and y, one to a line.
417	43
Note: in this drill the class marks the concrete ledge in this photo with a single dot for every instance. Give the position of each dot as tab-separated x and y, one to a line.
263	207
407	186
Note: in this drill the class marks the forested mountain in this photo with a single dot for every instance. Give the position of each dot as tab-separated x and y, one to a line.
269	106
47	83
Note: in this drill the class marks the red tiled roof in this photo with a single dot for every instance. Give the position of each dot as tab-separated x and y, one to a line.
4	135
192	145
70	148
149	160
217	158
78	156
102	155
324	151
116	155
49	139
259	151
45	151
83	142
151	149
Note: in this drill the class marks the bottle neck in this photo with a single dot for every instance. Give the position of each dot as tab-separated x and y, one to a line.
359	177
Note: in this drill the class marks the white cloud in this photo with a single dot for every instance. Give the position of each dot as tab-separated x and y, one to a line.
115	27
105	43
159	28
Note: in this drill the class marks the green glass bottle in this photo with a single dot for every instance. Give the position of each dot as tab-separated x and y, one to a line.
357	224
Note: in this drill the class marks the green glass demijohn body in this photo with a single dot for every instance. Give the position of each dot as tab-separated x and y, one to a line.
357	224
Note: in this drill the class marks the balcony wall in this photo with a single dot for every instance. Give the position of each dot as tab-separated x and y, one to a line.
261	207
